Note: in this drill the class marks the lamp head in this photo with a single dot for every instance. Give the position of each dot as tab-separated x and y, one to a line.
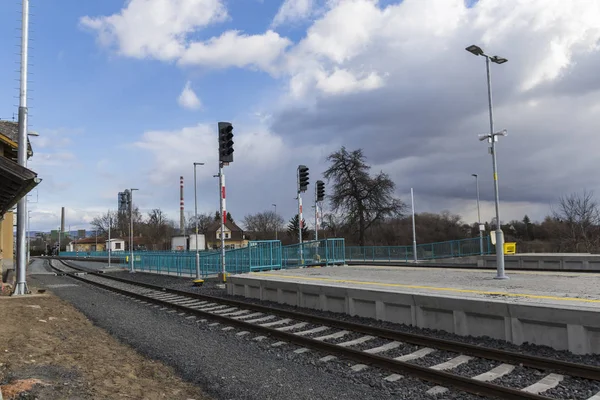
483	137
475	50
498	60
475	175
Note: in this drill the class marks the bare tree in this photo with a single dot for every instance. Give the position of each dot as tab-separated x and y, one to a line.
204	221
263	225
362	199
120	223
579	216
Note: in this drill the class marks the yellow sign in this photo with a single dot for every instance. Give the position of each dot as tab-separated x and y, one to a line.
510	248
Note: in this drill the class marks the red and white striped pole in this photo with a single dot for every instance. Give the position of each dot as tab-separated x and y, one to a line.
181	214
223	220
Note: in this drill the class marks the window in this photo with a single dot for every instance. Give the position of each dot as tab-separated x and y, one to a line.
117	246
226	235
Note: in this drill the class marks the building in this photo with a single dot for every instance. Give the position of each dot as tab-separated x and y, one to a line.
115	245
234	236
15	182
87	245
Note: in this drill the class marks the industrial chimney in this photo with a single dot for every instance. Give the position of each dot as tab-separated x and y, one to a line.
62	219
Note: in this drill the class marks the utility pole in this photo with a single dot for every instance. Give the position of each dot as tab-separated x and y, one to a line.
21	284
276	219
479	226
196	217
414	229
109	242
132	270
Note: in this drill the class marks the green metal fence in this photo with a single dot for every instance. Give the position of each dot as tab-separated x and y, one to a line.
321	252
429	251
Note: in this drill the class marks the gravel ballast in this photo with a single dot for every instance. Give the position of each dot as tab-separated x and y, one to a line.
209	289
224	364
520	377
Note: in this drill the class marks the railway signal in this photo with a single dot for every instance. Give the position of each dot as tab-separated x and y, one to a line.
225	142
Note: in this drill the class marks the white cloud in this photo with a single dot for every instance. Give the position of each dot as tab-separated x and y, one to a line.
233	48
163	29
188	99
395	80
293	10
155	28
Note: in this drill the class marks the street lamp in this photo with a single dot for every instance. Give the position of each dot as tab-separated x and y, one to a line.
492	138
132	270
276	225
479	227
196	216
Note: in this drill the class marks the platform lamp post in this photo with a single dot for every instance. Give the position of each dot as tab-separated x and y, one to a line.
492	138
479	226
196	217
132	270
276	226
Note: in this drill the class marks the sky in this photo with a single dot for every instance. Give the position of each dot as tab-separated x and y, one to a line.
128	94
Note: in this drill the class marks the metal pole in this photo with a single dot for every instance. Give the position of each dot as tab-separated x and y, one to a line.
21	284
28	236
109	242
132	270
479	216
223	219
412	198
276	225
196	217
316	215
499	236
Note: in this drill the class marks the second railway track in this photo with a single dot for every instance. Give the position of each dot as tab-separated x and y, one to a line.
366	345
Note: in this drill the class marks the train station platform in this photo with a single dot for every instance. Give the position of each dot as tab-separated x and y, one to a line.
557	309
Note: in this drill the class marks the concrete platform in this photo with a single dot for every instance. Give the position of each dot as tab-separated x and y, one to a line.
557	309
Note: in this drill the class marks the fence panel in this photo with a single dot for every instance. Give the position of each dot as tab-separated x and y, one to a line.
428	251
316	252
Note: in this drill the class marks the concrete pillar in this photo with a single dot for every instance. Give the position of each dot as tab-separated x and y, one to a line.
577	336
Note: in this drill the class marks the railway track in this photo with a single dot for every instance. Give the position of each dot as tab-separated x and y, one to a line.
366	345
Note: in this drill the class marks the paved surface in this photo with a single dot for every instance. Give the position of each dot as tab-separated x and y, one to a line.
225	365
564	288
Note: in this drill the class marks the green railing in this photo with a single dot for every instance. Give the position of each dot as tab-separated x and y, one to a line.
123	254
429	251
316	252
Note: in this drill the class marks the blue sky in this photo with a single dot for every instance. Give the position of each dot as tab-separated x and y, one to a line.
300	78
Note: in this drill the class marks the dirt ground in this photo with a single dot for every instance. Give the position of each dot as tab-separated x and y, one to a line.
49	350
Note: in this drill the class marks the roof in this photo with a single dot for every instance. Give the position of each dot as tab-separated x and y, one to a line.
9	134
91	240
216	226
15	182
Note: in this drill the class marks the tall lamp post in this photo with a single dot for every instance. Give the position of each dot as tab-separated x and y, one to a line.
132	270
479	226
276	226
196	217
492	138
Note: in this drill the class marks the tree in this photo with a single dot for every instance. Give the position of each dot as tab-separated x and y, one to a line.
263	225
293	228
204	221
362	199
218	216
158	227
579	215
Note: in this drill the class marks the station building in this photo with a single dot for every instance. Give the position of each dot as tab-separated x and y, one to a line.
15	182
